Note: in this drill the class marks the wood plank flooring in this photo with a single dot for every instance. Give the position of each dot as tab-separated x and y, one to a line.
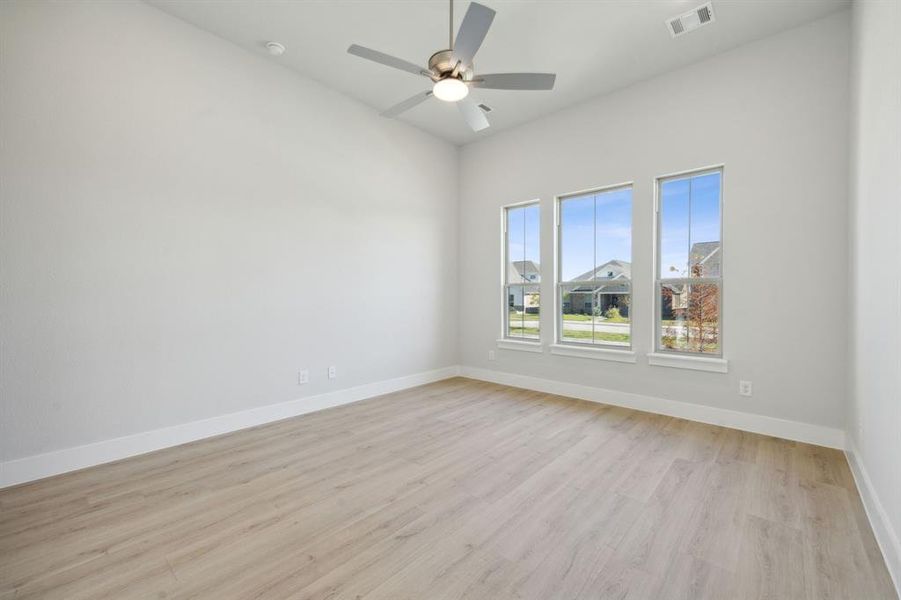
459	489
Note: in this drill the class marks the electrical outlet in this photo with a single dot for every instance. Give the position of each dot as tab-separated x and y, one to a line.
303	377
744	388
491	355
332	372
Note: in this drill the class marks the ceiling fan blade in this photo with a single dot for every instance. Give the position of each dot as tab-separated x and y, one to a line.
472	33
406	104
515	81
386	59
474	116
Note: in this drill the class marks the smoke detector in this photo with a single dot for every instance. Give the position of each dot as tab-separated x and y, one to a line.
693	19
275	49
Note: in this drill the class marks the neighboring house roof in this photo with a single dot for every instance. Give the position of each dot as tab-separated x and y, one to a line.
617	283
603	288
708	257
523	271
621	269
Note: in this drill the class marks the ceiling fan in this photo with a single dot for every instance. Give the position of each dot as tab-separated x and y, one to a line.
451	70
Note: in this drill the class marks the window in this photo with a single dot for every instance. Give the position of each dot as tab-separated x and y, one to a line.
594	288
522	271
689	282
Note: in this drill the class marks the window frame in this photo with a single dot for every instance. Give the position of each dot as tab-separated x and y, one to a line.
506	340
660	355
573	348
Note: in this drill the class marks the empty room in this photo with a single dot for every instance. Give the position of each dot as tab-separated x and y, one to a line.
439	300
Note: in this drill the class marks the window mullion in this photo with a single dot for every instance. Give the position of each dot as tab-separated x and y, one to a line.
594	274
522	314
688	250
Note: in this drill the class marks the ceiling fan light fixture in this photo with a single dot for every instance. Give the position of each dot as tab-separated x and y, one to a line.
451	70
450	89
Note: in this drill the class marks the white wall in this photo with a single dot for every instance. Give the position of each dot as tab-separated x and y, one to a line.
776	113
185	225
874	418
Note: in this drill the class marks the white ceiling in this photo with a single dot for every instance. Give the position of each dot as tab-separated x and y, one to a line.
593	46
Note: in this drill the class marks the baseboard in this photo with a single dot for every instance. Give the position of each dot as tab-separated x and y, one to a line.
71	459
886	536
791	430
30	468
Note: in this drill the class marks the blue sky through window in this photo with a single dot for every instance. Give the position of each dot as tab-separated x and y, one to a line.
595	229
689	214
523	236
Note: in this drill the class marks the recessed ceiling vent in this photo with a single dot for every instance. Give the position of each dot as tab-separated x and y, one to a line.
485	108
691	20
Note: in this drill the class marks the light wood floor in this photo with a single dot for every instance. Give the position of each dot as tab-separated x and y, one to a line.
459	489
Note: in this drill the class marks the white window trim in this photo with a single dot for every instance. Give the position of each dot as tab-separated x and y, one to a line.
675	358
560	346
686	361
518	343
596	353
521	345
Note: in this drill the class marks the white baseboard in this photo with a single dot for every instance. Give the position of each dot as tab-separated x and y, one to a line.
71	459
790	430
30	468
886	536
39	466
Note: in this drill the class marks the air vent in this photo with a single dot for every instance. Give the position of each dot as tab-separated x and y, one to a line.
691	20
485	108
705	14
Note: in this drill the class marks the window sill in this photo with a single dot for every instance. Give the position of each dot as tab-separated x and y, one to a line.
695	363
626	356
520	345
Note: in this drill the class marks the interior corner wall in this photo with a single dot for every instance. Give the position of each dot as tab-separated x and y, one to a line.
186	225
775	112
874	412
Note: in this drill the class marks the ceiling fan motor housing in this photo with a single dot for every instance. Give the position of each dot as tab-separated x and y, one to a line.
442	64
451	70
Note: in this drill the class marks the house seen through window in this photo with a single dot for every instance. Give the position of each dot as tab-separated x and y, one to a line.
689	273
522	273
595	274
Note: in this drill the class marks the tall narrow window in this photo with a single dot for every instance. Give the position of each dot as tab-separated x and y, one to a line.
689	263
522	272
595	271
